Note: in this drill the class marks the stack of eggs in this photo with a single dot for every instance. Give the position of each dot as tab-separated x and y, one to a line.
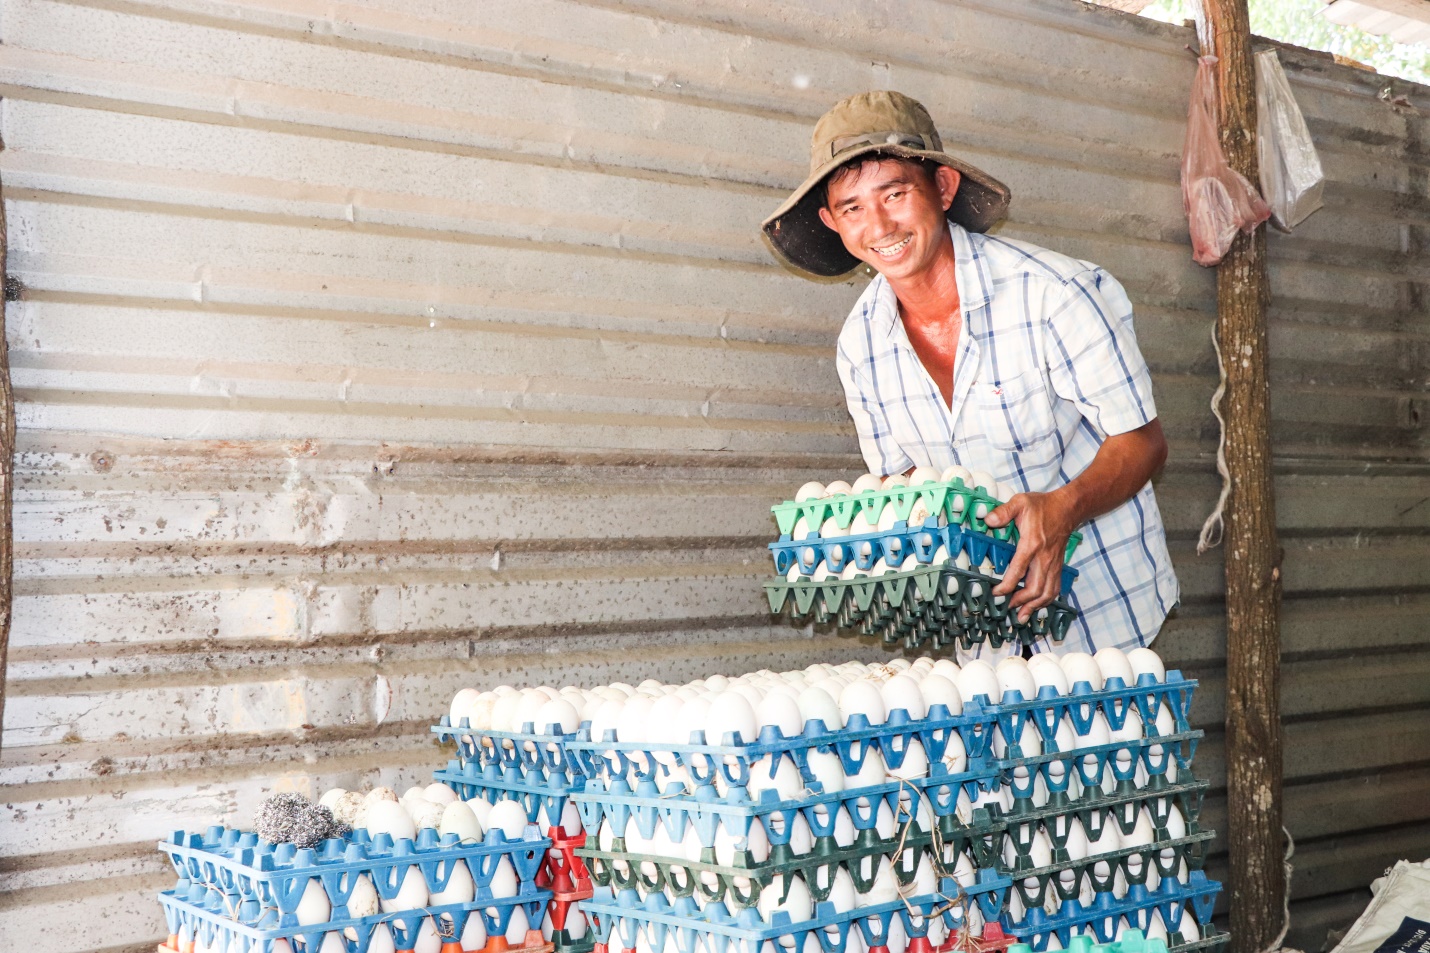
838	807
1099	801
418	873
846	553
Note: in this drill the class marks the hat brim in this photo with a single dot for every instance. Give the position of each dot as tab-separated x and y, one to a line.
798	237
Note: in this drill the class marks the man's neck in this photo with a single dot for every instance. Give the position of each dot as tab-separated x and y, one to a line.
931	296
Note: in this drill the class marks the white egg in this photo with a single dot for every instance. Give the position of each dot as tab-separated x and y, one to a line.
813	490
1014	676
424	813
901	691
1113	664
693	715
827	769
915	764
801	838
633	724
1029	742
411	892
390	818
333	943
938	690
667	719
314	906
837	488
731	714
871	771
460	705
416	791
509	817
504	883
362	901
504	712
983	480
458	818
947	668
379	940
1081	667
516	927
976	678
559	713
474	933
525	716
330	797
1144	661
788	893
778	710
863	698
866	483
439	793
922	475
895	480
459	889
885	888
1131	729
1047	673
955	756
781	776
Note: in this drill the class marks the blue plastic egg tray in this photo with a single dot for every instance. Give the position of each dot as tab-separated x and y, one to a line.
1173	899
217	931
535	753
258	883
544	798
894	546
732	759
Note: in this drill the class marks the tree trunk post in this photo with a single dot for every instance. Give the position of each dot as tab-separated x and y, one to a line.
1253	553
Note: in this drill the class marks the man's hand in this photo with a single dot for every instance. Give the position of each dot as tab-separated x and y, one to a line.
1123	465
1045	521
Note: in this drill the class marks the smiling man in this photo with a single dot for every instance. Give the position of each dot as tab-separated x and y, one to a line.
990	353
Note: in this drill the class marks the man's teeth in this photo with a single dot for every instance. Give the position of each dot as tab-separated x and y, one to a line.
893	250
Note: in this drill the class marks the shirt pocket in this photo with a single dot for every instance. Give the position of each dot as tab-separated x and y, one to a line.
1016	414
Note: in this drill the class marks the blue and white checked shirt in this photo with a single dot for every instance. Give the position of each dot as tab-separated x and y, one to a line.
1048	367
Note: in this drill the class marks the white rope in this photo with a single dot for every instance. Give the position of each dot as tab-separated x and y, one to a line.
1211	534
1277	944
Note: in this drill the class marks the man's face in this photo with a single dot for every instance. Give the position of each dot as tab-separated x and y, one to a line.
890	214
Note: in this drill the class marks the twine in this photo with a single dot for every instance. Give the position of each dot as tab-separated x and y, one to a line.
1277	945
1212	529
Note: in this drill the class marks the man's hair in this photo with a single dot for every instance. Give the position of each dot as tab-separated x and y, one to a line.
856	165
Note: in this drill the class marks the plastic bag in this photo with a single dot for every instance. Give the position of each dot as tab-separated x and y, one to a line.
1291	176
1218	199
1398	919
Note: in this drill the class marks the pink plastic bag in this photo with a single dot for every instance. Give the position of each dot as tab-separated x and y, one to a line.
1218	200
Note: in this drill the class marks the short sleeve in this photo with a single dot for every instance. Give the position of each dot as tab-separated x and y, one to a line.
882	455
1092	354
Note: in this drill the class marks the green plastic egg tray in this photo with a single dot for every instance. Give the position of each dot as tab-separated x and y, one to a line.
938	605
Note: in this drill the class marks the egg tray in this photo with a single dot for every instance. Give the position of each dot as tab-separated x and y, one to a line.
564	871
1129	941
731	762
563	938
1116	764
1023	822
257	882
218	930
709	815
923	542
1101	873
939	604
1173	899
956	502
740	886
544	803
622	916
540	756
1082	703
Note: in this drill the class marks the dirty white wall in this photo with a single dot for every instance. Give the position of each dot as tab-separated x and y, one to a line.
370	350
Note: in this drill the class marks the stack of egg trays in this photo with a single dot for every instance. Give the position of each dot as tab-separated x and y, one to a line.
532	768
218	932
1166	761
937	605
235	875
529	766
955	502
621	918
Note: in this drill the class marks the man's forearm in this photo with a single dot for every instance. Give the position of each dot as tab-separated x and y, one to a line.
1123	465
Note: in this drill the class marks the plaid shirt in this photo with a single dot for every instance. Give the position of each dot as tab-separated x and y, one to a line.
1047	368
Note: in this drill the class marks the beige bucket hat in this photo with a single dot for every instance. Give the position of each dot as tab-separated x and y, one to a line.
885	122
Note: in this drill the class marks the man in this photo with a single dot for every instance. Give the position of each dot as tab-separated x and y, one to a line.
989	353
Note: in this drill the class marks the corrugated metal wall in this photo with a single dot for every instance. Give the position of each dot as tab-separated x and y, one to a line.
369	350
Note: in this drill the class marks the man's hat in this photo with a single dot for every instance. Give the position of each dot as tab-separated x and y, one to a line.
888	123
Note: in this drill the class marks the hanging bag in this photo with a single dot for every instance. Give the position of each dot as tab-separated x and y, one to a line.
1291	176
1219	201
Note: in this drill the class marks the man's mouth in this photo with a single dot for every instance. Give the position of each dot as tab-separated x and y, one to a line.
891	251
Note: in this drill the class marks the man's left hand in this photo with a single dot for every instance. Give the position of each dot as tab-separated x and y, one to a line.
1044	521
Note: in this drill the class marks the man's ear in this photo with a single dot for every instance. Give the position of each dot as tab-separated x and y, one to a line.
948	181
827	218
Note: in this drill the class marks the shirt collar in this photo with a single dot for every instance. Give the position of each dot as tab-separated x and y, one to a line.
975	284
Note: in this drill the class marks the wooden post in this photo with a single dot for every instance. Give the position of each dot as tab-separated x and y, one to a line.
7	469
1253	553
